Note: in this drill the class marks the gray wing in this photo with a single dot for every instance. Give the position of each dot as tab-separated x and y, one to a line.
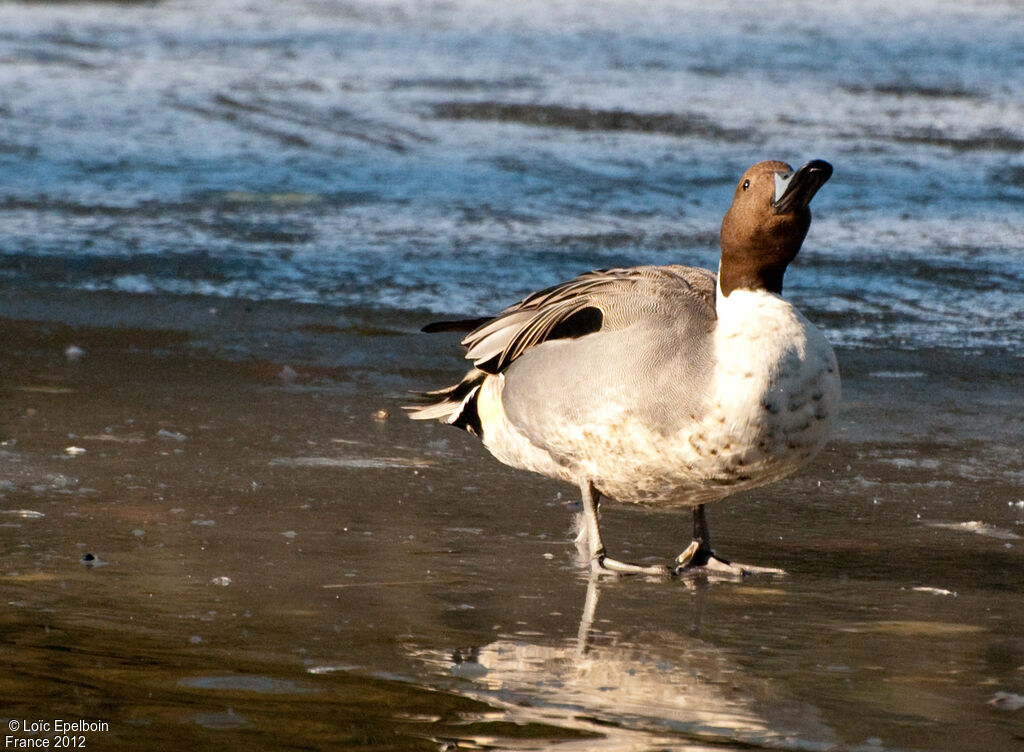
602	300
658	309
651	360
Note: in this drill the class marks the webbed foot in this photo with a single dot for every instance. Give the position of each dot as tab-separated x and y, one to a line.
698	559
604	563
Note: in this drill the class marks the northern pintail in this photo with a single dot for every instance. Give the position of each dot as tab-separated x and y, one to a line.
660	384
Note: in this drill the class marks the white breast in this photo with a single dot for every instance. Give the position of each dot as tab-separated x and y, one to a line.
776	389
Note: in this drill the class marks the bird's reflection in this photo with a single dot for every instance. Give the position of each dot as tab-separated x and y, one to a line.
590	610
670	691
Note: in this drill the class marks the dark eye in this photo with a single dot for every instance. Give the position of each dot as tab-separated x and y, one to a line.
746	184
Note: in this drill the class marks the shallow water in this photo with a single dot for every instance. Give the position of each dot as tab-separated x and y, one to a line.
277	562
221	227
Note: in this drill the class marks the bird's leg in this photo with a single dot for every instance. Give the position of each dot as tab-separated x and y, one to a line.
590	529
699	552
599	559
700	557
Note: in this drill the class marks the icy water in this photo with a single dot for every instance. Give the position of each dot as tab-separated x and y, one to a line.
221	227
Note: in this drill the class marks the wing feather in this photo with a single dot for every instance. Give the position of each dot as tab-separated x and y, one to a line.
599	300
617	296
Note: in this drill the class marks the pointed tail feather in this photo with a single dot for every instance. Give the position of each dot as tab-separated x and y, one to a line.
455	405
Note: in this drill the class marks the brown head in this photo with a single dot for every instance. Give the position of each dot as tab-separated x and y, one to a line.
764	228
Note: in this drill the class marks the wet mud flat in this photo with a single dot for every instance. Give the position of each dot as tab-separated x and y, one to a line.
278	558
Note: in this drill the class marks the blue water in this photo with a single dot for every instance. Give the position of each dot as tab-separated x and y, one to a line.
452	157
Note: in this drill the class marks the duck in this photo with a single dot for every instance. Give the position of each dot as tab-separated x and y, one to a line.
667	386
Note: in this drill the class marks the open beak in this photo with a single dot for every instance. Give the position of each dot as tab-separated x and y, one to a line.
794	190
